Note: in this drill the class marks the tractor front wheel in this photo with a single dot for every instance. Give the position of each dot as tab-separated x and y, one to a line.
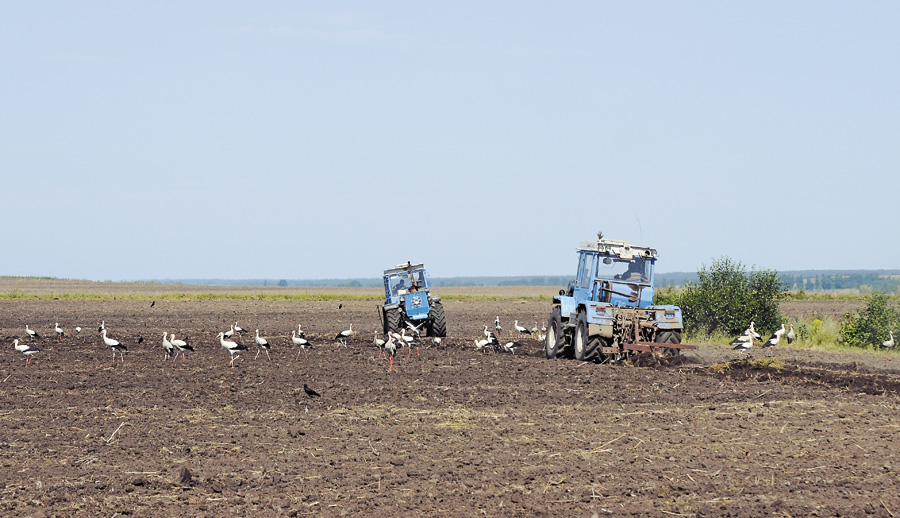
438	321
580	342
554	336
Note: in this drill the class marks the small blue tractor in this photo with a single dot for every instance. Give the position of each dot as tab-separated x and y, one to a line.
607	313
408	303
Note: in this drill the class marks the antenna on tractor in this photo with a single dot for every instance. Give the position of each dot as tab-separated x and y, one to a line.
640	228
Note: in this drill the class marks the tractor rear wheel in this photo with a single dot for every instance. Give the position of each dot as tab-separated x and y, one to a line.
669	337
392	320
580	341
554	334
438	325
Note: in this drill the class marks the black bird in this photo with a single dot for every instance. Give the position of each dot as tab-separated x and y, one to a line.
140	339
152	303
340	306
310	392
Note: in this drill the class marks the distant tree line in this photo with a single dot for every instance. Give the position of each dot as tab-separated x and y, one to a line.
865	281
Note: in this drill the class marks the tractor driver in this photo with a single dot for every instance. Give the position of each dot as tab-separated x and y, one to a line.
635	272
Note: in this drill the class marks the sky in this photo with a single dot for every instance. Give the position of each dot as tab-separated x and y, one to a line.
312	140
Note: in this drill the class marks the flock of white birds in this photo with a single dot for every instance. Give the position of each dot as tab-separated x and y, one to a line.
409	337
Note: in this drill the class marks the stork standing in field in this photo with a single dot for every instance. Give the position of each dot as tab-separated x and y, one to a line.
59	331
482	344
752	331
31	333
239	330
790	335
232	348
492	339
344	335
776	336
182	346
378	342
520	329
229	333
27	350
262	345
744	342
115	345
534	330
497	327
409	341
390	347
300	342
890	342
167	346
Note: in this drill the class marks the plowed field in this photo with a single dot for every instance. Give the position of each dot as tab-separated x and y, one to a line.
451	432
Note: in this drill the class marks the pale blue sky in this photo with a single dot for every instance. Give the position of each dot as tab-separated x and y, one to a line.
334	139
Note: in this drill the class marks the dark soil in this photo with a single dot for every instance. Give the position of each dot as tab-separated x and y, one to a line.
451	432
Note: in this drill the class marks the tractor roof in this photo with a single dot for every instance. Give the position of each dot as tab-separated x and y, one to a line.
404	268
620	249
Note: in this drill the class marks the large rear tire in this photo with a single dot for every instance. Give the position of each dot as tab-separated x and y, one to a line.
554	334
670	337
392	320
438	320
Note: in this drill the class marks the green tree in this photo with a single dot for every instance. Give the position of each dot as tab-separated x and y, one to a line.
870	325
726	298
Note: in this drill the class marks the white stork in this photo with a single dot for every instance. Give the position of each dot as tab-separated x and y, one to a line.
115	345
390	347
344	335
890	342
300	342
776	336
27	350
232	347
182	346
31	332
167	346
511	347
520	329
262	345
59	331
239	330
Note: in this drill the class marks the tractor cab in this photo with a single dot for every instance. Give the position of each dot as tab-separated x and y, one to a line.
404	279
615	272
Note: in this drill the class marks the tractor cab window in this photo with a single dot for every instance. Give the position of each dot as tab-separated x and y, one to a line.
586	268
419	277
634	270
400	283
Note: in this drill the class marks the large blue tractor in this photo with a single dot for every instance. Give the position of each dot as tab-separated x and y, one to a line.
607	311
408	302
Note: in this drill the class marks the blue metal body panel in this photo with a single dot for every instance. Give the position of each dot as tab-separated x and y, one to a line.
416	304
